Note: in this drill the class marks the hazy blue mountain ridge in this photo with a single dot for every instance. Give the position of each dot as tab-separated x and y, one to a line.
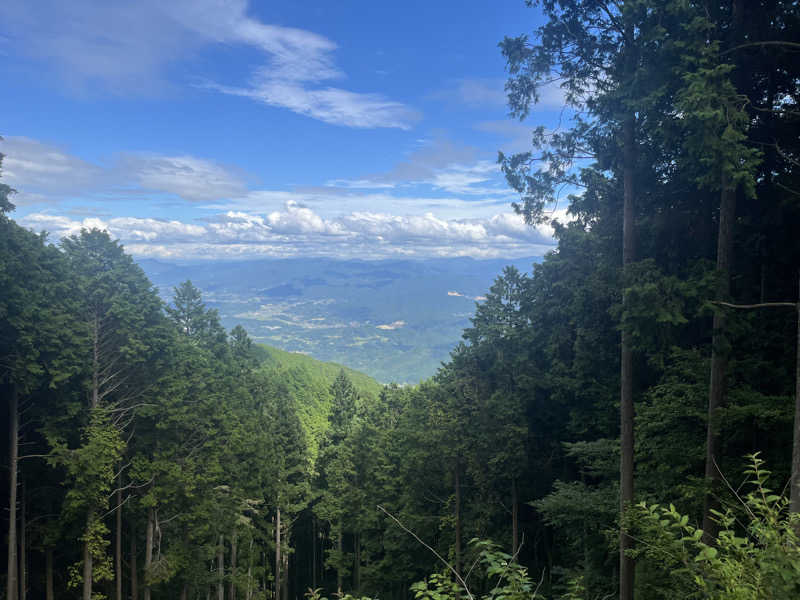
395	320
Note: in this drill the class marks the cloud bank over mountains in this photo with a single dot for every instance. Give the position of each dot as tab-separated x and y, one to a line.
374	218
299	231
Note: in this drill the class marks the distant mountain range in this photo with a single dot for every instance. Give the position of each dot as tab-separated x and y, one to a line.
395	320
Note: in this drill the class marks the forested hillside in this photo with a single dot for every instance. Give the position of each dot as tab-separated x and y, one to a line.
641	365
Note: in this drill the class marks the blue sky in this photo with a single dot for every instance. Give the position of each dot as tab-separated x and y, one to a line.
213	129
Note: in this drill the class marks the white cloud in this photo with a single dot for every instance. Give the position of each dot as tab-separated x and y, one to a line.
46	173
330	105
299	231
330	202
189	177
440	164
129	47
391	326
299	219
32	166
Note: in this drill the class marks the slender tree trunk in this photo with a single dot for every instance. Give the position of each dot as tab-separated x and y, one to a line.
285	578
148	552
134	569
221	568
514	518
717	388
357	563
96	362
340	548
48	574
13	466
794	493
313	552
250	571
185	591
232	583
23	552
118	547
626	564
458	516
87	560
95	399
277	553
22	556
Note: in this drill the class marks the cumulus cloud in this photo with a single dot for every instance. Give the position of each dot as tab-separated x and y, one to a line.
299	231
129	47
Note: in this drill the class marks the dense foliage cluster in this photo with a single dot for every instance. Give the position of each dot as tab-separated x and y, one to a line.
228	470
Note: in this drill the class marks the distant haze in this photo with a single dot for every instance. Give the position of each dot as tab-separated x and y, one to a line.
395	320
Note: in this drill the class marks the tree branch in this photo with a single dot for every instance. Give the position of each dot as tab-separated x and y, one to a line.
759	305
435	553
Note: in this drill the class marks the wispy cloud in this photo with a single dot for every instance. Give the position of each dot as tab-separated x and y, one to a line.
476	92
330	105
47	173
473	92
441	164
188	177
131	47
34	167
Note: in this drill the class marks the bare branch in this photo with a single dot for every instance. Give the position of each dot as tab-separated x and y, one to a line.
759	305
794	45
435	553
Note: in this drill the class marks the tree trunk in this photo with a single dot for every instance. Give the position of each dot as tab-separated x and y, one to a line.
221	568
250	571
185	591
458	516
313	552
48	574
134	569
13	466
357	563
232	582
285	568
87	560
148	552
23	575
719	357
277	553
626	564
340	548
514	518
794	493
118	547
95	362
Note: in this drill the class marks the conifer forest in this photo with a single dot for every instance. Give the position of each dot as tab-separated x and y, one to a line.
623	420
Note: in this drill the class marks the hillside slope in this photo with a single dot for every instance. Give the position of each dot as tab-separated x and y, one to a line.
309	380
